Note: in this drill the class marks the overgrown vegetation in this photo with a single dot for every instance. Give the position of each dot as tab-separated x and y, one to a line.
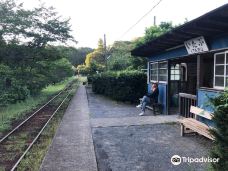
28	61
17	111
220	134
122	86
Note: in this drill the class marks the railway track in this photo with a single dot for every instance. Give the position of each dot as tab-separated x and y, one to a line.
15	145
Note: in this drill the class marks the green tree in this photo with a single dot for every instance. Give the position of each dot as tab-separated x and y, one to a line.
82	69
121	59
26	53
35	28
97	56
154	32
220	134
77	56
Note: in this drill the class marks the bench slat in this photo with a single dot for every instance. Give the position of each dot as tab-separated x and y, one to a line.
196	126
191	120
201	112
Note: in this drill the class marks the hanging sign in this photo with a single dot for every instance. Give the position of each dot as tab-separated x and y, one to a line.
196	45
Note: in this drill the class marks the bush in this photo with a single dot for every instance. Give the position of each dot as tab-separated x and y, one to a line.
121	86
16	92
220	150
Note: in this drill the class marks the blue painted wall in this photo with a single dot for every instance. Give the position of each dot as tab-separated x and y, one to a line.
202	98
169	54
219	42
203	102
162	98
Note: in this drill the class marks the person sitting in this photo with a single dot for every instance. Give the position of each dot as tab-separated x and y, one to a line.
149	98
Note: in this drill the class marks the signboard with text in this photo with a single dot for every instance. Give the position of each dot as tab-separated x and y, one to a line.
196	45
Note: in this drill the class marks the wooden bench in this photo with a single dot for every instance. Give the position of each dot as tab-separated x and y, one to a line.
155	107
195	125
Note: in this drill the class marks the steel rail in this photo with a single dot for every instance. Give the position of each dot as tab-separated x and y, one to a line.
22	123
38	135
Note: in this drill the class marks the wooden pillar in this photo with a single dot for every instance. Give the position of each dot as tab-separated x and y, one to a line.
168	89
198	83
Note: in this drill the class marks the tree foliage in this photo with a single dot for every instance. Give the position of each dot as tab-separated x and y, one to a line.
28	61
78	56
120	54
154	32
121	59
95	61
97	56
220	134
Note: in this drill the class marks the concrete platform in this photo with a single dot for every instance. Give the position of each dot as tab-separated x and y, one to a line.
133	121
72	148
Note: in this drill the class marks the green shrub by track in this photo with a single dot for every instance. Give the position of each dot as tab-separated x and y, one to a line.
18	111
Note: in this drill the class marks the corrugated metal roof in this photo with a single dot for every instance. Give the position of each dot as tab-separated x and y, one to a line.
208	25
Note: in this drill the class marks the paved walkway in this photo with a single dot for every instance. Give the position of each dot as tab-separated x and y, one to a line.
72	147
133	121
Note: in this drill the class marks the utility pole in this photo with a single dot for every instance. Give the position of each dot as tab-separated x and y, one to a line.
154	20
105	53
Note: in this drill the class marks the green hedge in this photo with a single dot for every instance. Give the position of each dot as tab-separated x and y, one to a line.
121	86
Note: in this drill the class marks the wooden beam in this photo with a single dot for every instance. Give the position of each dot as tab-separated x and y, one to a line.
181	35
221	19
207	29
201	112
189	96
197	32
207	24
166	43
198	72
191	35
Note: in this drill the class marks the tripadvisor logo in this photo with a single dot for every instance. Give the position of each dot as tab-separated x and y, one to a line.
176	160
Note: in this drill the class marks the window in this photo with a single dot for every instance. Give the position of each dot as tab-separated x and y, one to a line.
175	72
162	71
154	71
220	70
158	71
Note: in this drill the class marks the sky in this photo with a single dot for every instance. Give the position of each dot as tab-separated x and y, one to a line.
91	19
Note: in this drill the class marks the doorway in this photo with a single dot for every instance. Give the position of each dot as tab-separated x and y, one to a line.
182	79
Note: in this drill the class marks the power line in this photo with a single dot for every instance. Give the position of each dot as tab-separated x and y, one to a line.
140	19
135	25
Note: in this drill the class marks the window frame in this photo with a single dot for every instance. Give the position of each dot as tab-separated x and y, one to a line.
157	69
153	69
174	74
225	64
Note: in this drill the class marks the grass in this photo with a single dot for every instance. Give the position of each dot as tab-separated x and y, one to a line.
17	111
34	158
